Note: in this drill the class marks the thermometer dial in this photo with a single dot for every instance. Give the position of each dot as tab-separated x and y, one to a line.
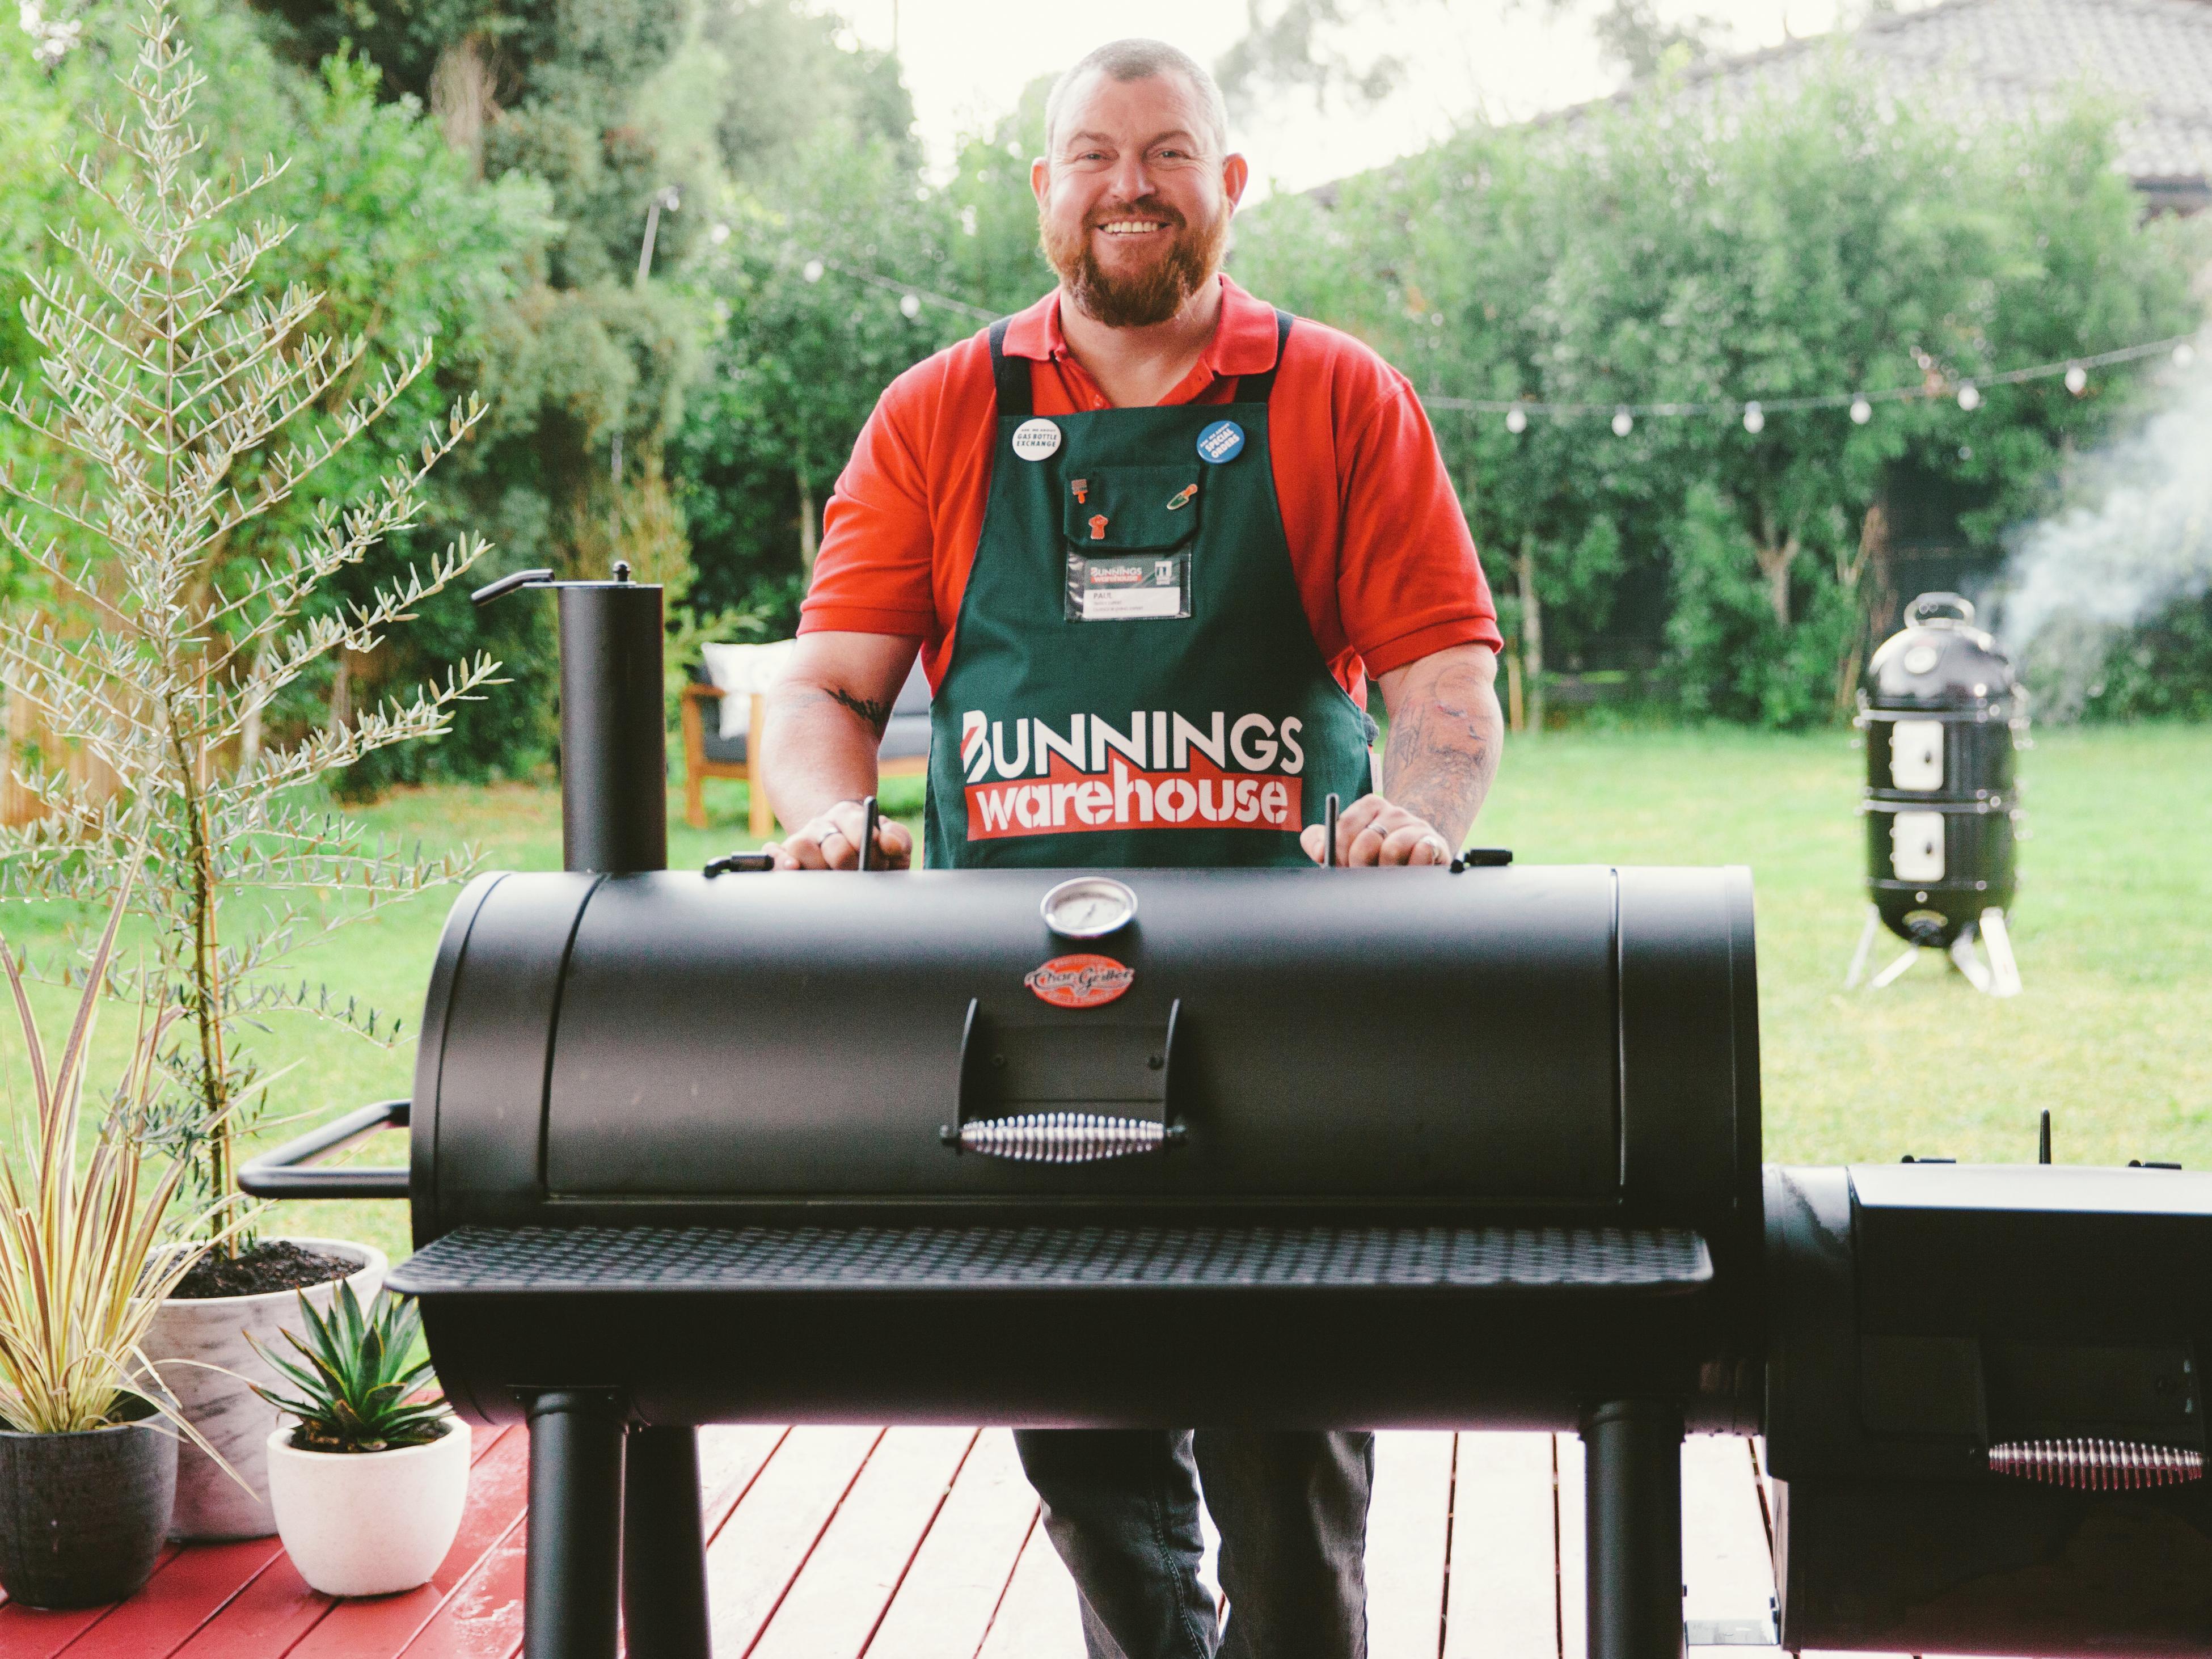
1089	907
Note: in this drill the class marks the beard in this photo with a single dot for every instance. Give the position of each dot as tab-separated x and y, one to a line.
1150	295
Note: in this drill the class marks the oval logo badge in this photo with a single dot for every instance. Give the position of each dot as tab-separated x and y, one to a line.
1083	981
1036	439
1222	441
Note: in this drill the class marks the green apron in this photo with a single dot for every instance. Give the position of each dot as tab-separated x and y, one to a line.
1134	679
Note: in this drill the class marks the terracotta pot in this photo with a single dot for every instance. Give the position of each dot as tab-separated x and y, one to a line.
212	1332
82	1516
368	1523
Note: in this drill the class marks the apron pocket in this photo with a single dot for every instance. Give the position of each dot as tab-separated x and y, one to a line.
1133	509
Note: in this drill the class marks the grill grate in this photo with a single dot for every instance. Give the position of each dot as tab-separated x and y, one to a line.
478	1260
2097	1464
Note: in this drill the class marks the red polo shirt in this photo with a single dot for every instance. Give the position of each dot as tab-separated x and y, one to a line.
1380	548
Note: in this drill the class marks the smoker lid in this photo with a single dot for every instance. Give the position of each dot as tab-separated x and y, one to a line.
1939	660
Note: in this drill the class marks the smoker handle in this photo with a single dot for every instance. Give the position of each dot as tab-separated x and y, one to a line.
1927	604
284	1172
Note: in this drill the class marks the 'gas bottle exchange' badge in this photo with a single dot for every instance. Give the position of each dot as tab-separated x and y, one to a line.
1083	981
1036	438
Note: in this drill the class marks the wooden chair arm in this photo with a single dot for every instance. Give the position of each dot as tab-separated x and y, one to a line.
699	691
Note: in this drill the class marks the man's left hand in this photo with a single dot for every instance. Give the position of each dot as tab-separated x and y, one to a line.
1372	831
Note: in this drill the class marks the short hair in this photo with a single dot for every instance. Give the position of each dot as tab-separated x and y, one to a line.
1140	59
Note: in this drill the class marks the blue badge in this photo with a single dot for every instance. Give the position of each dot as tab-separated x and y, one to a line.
1222	441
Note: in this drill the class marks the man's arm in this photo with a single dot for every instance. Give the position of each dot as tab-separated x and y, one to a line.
1446	734
824	719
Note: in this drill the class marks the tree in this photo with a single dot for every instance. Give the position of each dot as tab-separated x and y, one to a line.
1674	252
190	402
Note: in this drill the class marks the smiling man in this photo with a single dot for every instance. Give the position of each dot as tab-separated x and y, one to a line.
1154	537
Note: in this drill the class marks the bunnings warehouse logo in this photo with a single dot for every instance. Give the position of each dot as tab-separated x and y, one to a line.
1163	771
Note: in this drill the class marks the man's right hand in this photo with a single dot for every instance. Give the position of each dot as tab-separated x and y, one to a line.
832	840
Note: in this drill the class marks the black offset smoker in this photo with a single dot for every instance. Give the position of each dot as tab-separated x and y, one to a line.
1943	714
1467	1148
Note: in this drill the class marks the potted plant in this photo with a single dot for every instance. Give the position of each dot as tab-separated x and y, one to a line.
186	560
368	1478
87	1463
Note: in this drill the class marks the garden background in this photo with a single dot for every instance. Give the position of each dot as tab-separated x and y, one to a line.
1687	600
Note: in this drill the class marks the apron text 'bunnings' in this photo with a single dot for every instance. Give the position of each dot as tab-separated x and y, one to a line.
1162	772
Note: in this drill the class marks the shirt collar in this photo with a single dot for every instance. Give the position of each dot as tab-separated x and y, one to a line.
1243	340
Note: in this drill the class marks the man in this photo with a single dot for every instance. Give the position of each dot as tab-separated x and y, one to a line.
1154	537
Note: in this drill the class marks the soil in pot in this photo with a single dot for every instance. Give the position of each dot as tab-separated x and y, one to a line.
212	1332
369	1524
273	1264
82	1515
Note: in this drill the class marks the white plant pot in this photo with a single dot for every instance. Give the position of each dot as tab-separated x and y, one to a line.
368	1523
211	1332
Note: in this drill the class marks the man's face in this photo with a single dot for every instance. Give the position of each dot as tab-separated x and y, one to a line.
1134	201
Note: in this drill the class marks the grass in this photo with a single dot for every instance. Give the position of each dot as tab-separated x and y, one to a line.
2110	929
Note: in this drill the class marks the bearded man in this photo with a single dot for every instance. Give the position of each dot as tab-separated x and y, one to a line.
1154	537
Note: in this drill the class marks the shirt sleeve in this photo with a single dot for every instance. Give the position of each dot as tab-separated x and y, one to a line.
873	572
1409	582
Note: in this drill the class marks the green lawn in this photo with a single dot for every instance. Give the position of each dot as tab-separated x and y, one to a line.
2111	1032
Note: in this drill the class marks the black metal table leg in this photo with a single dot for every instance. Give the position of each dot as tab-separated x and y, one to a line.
664	1583
575	1566
1632	1527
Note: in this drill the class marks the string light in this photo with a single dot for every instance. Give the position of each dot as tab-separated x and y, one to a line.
812	270
1519	412
909	306
1754	417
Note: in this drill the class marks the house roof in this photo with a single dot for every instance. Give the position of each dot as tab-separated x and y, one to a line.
2017	59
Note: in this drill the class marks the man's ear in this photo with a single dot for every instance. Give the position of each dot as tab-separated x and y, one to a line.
1040	178
1236	174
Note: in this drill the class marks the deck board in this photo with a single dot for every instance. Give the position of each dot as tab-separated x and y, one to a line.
1504	1600
943	1608
863	1543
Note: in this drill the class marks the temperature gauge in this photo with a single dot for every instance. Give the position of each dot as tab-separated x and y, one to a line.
1089	907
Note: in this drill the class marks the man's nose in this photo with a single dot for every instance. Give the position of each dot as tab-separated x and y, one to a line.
1131	179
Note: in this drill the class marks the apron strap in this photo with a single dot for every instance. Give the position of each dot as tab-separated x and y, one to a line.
1258	388
1011	375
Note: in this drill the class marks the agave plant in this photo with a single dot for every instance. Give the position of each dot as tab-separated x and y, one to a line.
85	1253
359	1377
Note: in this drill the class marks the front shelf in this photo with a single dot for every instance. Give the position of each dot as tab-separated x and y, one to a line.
474	1262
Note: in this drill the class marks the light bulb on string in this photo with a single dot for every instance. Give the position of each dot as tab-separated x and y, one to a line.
1623	422
909	306
1861	411
1970	396
1516	420
2078	379
1754	418
2184	355
812	270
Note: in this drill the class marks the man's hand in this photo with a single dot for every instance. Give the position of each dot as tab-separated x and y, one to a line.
832	840
1372	831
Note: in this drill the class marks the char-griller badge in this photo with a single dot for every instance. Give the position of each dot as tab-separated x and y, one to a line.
1083	981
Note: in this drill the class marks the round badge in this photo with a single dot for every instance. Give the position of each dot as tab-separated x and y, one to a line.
1035	439
1222	441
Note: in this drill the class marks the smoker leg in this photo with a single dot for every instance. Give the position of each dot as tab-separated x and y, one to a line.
1964	959
1632	1518
1896	970
575	1526
1866	944
664	1586
1996	939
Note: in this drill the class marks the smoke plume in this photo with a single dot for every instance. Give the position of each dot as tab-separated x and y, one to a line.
2141	540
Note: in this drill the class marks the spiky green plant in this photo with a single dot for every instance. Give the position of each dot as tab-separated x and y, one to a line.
357	1377
182	405
86	1251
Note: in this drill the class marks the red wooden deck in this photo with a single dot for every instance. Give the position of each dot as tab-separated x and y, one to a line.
831	1543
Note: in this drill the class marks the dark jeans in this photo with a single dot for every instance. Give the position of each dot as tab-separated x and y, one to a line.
1122	1508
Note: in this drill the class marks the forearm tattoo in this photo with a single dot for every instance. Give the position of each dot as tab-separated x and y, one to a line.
1444	747
877	714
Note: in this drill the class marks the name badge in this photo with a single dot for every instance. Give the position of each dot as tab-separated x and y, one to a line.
1129	586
